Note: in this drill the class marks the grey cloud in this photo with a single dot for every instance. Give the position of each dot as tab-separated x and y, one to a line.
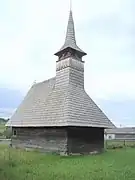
9	98
119	111
111	39
6	112
9	101
110	25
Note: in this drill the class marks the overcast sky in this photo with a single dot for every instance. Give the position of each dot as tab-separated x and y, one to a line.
31	31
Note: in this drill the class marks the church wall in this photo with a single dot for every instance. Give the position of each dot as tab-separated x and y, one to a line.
44	139
69	140
84	140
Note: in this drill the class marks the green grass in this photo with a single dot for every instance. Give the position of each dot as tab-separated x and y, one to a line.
111	165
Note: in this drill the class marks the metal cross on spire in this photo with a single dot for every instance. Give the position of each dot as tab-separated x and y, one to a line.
70	5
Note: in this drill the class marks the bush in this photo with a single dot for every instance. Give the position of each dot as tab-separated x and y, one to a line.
132	146
1	134
115	146
8	133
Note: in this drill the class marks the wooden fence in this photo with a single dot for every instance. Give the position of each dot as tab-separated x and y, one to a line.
119	143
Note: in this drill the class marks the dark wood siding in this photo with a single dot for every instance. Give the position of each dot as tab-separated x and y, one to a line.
64	140
85	140
45	139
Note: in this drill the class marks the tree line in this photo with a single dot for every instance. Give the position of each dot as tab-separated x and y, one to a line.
3	120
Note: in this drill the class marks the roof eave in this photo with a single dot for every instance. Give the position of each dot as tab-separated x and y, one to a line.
61	51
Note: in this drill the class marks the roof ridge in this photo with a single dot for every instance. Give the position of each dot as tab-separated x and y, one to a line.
45	81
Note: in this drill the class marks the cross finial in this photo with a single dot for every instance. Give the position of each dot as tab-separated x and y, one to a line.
70	5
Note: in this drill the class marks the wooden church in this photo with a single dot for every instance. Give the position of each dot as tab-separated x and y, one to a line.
57	115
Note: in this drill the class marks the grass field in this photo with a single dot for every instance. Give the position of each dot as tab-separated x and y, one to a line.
111	165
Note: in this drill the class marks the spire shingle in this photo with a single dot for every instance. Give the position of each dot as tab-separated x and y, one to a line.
70	41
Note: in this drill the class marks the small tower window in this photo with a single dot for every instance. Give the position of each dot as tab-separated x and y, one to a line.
14	132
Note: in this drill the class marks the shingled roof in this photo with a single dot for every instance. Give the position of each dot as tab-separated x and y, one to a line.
45	105
60	101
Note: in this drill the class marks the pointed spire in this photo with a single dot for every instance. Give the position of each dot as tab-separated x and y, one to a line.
70	40
70	35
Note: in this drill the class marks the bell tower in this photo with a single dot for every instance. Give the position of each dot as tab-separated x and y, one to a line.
69	66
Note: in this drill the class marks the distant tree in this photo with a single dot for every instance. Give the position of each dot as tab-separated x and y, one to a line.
3	120
8	133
